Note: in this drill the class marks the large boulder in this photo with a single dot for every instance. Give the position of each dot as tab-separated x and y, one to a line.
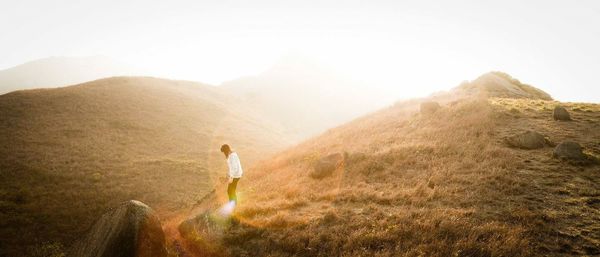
569	150
560	113
326	165
130	230
527	140
430	107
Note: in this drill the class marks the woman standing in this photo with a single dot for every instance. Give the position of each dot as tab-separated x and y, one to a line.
235	171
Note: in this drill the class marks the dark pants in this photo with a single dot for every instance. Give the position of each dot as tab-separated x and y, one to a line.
231	190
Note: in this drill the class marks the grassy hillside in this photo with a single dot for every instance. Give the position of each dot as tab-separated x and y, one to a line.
68	154
444	184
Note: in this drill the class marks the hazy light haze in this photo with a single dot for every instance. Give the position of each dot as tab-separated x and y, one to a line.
411	48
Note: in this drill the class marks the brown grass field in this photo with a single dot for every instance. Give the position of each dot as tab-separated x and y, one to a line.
68	154
444	184
411	184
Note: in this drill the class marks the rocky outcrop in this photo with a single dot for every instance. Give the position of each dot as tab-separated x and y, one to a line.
129	230
327	165
528	140
430	107
569	150
560	113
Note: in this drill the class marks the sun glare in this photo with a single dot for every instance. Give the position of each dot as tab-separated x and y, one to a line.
408	48
227	209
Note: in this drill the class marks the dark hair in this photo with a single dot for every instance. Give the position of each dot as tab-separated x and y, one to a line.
225	148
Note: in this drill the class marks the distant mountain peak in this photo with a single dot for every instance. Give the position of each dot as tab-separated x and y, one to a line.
62	71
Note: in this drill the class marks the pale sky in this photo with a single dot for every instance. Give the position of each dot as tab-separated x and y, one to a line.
412	48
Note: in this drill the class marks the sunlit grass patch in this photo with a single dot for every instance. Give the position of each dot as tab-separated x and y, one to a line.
442	185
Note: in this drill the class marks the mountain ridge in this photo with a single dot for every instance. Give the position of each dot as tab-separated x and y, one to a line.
61	71
305	97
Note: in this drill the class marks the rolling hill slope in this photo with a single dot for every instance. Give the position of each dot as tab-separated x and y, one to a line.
69	153
417	184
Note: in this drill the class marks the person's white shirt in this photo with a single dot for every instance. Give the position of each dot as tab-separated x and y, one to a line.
235	167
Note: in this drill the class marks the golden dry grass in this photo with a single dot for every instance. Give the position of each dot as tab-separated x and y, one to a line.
411	185
68	154
414	185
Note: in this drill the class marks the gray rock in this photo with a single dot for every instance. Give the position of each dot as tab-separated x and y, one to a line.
326	165
527	140
430	107
569	150
129	230
560	113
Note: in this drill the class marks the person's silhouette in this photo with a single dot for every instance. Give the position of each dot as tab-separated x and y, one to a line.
235	172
